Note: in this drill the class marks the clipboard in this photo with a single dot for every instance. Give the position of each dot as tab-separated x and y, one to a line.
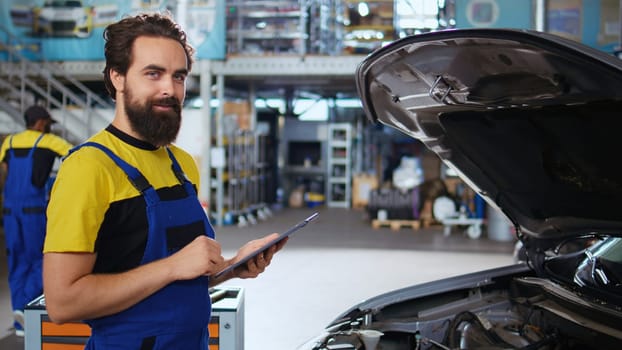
265	247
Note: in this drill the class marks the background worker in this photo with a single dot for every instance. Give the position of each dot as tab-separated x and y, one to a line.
27	160
132	252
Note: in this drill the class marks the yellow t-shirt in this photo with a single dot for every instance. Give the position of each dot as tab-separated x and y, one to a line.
94	207
48	149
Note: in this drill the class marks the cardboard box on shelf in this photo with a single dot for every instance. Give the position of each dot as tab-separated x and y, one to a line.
242	112
362	185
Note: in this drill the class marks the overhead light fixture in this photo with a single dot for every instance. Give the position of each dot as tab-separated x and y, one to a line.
363	9
311	110
348	103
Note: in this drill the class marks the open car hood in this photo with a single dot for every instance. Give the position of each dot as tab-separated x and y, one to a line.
529	120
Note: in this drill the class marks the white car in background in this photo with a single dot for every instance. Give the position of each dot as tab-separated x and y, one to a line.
62	18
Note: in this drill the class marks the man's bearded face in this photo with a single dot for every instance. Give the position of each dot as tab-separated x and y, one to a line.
156	126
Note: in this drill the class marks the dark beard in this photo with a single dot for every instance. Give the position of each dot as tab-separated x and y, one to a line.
157	128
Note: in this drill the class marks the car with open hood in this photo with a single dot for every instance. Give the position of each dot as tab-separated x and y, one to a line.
531	121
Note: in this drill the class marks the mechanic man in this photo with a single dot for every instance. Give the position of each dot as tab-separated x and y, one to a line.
129	248
27	160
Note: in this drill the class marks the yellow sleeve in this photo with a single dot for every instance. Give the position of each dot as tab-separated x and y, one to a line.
58	145
79	200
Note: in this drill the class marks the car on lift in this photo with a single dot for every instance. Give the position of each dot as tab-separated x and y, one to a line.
531	122
63	18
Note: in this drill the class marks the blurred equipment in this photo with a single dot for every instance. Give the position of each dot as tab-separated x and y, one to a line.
408	174
226	326
398	205
444	209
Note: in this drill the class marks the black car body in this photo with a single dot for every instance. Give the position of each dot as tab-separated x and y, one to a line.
530	121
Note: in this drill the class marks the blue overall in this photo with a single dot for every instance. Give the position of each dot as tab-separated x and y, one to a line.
24	228
177	316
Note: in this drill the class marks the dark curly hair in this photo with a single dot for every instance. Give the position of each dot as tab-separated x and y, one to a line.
120	37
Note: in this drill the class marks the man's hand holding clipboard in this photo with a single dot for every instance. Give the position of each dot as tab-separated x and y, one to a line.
256	255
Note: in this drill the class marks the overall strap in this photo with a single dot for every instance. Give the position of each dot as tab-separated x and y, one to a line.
11	145
179	173
33	147
136	178
32	150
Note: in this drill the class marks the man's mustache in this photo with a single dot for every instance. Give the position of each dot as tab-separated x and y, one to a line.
171	101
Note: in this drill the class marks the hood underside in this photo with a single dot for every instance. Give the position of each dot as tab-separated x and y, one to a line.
531	121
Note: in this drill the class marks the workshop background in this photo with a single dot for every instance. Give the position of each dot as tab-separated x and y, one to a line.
274	122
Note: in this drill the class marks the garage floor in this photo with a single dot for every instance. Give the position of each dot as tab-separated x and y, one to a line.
334	263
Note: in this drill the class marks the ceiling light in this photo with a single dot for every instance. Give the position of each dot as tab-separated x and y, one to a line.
363	9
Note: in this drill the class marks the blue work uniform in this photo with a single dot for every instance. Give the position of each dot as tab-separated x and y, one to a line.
24	207
176	316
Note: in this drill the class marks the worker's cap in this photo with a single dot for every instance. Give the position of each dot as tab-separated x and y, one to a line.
35	113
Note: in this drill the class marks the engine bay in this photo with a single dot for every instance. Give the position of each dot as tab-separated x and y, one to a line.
528	313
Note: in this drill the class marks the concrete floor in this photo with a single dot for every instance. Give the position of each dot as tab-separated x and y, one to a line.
334	263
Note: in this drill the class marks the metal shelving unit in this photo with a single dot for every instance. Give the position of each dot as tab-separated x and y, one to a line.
339	165
326	28
265	27
240	187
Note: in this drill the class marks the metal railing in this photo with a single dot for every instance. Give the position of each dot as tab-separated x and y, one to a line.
27	78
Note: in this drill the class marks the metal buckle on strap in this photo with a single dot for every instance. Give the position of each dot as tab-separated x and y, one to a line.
140	183
181	176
